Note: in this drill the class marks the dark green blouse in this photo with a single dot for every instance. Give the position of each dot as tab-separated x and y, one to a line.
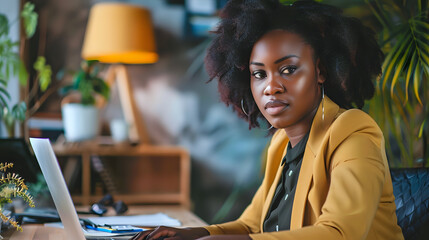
279	214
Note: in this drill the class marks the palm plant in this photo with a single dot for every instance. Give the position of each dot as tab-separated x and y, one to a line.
399	105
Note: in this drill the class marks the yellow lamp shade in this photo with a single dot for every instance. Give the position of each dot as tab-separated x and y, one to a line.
119	33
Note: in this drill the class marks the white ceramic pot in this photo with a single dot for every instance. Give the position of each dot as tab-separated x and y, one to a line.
81	122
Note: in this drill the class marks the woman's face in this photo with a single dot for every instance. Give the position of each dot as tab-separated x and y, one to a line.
285	80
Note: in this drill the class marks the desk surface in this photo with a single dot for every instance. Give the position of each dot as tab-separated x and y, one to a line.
35	231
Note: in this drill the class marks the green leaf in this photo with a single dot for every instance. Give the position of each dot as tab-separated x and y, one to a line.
7	70
4	25
44	73
103	88
422	23
422	127
399	67
88	84
424	58
417	75
18	111
422	34
4	91
426	69
86	89
410	72
45	78
30	19
391	59
39	64
3	102
8	120
22	74
78	78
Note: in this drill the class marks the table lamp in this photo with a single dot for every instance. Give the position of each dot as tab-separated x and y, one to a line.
119	33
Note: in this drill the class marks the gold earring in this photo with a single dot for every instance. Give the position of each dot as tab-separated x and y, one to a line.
323	103
242	108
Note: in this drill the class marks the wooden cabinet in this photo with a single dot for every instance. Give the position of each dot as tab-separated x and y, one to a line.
144	173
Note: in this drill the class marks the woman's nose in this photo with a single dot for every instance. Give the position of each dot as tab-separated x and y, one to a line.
274	86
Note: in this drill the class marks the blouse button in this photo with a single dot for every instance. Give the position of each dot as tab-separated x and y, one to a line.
287	195
290	173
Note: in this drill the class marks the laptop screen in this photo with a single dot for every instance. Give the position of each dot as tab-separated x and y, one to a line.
57	186
17	151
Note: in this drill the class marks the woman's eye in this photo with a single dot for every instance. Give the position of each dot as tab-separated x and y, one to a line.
288	70
258	74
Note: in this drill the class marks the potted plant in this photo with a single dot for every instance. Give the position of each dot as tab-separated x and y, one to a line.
12	186
80	108
11	65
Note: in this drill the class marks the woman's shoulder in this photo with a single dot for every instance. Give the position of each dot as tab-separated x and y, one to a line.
358	136
354	119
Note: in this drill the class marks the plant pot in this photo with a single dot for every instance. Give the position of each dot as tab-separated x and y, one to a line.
81	122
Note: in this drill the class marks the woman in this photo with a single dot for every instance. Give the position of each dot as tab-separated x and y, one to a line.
299	67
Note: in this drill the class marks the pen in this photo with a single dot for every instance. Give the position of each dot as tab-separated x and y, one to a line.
87	222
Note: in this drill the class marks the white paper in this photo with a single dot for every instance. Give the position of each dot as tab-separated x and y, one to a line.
149	220
90	232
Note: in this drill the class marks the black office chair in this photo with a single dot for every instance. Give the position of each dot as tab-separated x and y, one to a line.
411	190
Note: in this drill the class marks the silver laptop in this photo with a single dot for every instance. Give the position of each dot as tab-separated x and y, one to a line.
57	186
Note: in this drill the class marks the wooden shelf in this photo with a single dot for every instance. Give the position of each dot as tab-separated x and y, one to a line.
176	175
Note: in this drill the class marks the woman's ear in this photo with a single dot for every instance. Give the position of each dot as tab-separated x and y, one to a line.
320	72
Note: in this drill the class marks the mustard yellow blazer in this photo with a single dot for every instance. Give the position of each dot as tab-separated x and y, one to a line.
344	189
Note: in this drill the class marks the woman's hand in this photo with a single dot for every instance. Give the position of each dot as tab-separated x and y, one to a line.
169	233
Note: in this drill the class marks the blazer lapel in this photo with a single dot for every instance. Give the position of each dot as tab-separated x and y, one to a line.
317	133
281	144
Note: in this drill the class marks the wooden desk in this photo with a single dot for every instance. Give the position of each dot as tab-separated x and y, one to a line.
39	232
175	160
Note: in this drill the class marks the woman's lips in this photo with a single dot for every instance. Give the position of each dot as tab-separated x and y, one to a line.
275	107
